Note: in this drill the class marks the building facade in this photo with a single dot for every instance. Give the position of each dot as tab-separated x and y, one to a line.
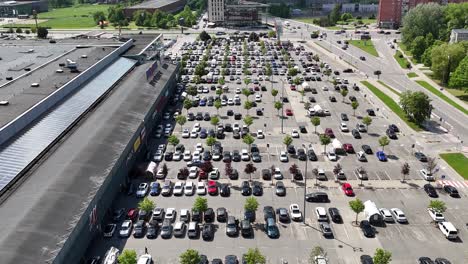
17	8
391	12
458	35
216	11
151	6
235	13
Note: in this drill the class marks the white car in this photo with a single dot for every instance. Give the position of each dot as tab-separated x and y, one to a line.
238	90
196	155
142	190
361	156
387	215
158	156
170	214
399	215
245	155
436	215
177	156
295	212
193	172
236	127
184	215
199	147
185	133
321	214
260	134
197	127
331	156
258	98
187	155
321	174
189	188
214	174
193	134
325	88
277	174
344	127
178	188
145	259
160	174
201	188
294	133
126	228
427	175
283	156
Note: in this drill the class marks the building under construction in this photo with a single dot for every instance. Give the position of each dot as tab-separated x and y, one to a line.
235	13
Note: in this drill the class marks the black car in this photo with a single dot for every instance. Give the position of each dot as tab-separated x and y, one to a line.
152	231
246	228
362	58
394	128
425	260
197	216
332	99
285	99
139	229
266	174
344	117
216	261
206	117
283	215
256	157
246	190
199	116
237	116
367	149
211	133
367	229
430	190
311	154
234	175
280	189
209	215
391	134
370	112
259	112
352	98
257	189
221	214
291	150
303	129
348	70
311	99
236	156
227	156
231	259
452	191
268	212
208	231
366	259
442	261
301	155
203	259
168	156
190	116
356	134
317	197
313	90
230	112
224	190
420	156
335	215
206	155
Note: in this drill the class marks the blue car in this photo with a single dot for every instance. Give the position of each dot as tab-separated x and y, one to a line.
202	102
203	133
381	156
155	188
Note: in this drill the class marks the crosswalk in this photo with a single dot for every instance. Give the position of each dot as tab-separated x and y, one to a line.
457	184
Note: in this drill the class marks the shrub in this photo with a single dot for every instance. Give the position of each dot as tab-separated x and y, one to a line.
19	30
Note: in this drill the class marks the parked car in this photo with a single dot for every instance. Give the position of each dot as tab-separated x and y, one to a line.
430	190
367	229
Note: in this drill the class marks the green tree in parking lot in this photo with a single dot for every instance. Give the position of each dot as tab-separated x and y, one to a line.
297	81
210	141
437	205
384	141
187	104
405	170
128	256
190	256
367	120
278	106
268	71
247	81
249	169
246	93
247	106
217	105
214	121
382	256
173	140
324	140
251	204
357	206
248	120
146	205
248	139
354	105
315	252
292	72
344	93
315	122
287	140
192	91
221	81
254	256
219	92
181	120
274	93
200	204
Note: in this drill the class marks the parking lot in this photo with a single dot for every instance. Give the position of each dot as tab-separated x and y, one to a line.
407	242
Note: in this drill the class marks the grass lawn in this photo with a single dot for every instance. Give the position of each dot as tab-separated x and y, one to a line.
442	96
412	74
459	93
401	60
390	88
392	105
366	46
308	20
458	162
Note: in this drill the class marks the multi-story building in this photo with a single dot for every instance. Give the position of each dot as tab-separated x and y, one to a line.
216	11
235	12
458	35
391	12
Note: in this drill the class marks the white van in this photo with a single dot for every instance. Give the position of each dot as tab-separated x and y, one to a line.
311	112
448	229
111	256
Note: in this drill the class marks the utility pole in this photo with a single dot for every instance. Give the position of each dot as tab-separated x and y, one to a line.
305	184
282	105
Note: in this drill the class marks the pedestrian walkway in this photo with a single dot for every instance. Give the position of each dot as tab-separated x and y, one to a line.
457	184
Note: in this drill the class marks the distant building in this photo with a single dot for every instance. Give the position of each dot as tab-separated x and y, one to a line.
22	8
458	35
235	12
352	8
391	12
216	11
151	6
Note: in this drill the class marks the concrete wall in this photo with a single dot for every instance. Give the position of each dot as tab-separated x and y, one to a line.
25	119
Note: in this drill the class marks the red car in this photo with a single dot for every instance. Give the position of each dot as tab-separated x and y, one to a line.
212	188
348	148
202	175
289	112
293	87
256	88
132	214
347	189
329	132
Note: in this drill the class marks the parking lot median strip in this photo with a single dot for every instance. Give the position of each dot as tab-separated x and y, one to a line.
442	96
365	45
323	47
390	88
458	162
391	104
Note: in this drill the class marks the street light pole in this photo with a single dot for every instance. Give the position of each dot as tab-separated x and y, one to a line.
282	105
305	184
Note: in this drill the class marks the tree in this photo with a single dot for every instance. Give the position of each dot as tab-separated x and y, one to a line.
190	256
42	32
184	172
354	105
117	17
247	106
246	93
19	31
384	141
268	71
315	122
315	173
324	140
204	36
248	139
248	120
337	169
228	169
274	93
187	104
146	205
431	164
219	92
128	256
221	81
287	140
416	105
278	106
217	105
418	46
459	79
382	256
254	256
378	73
249	169
165	170
446	58
251	204
173	140
99	17
315	252
422	20
344	93
200	204
405	170
437	205
210	141
181	120
271	34
357	206
367	120
346	16
214	121
247	81
292	72
335	14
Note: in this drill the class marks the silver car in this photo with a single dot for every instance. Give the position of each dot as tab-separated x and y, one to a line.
126	228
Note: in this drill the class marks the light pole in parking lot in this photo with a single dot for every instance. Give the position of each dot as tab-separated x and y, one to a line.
305	183
282	105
